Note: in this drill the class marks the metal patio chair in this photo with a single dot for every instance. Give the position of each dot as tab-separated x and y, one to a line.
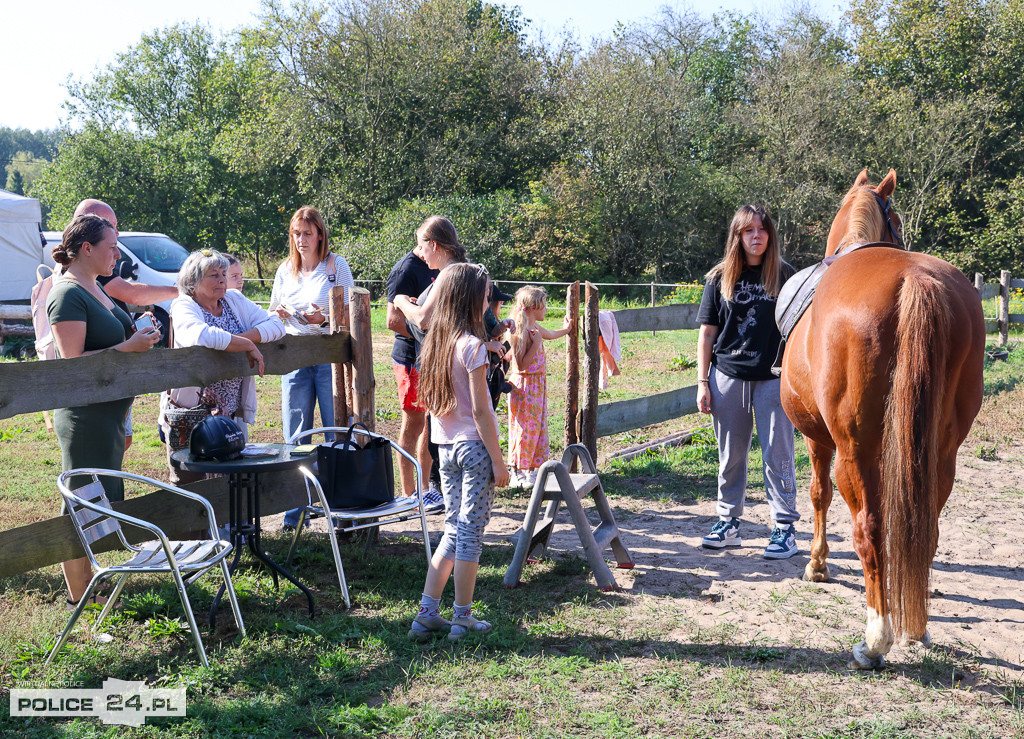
95	520
353	519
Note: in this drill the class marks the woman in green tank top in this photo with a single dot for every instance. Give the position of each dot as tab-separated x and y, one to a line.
84	320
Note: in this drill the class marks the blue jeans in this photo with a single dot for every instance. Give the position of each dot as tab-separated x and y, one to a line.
301	391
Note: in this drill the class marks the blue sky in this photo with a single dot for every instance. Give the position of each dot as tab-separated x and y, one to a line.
49	40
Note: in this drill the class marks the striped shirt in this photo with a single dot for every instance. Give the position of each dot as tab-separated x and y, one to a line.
299	293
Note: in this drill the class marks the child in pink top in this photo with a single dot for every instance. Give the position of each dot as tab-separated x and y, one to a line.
528	445
453	387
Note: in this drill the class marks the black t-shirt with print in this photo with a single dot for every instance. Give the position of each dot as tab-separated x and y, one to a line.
411	276
748	337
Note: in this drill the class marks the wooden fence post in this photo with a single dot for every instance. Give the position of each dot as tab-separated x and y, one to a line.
653	305
591	371
979	282
1004	307
572	363
340	383
363	381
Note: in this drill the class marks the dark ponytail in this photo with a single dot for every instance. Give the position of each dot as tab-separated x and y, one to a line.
442	232
88	228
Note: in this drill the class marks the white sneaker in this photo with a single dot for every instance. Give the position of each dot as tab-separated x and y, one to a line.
723	534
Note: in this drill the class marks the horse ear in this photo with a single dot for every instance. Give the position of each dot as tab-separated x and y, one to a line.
887	185
862	178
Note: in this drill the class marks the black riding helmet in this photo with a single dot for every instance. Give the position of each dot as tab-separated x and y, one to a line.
216	437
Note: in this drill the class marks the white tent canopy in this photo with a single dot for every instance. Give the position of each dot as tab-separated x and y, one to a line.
21	249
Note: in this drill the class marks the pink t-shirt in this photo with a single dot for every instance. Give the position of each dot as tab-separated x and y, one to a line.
458	425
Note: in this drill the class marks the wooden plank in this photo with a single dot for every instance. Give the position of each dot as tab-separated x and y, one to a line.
989	291
26	387
16	312
662	318
54	540
625	415
991	325
1017	282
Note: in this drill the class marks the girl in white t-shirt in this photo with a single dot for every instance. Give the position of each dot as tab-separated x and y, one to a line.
453	387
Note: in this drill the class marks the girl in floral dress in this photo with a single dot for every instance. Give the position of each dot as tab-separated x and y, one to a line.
528	401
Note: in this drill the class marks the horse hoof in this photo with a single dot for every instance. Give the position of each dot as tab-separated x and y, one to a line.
864	661
923	642
813	575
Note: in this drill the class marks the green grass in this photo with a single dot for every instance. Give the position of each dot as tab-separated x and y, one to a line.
565	659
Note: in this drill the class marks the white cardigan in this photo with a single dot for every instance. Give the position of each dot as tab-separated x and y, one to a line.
191	330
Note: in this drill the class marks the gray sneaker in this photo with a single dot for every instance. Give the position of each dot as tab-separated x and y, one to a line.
723	534
782	543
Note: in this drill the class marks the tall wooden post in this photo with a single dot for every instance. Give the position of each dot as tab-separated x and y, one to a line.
591	371
340	382
363	381
653	305
1004	307
979	282
572	363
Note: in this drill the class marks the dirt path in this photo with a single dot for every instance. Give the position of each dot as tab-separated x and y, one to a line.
735	596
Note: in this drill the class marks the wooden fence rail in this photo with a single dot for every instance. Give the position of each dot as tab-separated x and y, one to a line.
27	387
626	415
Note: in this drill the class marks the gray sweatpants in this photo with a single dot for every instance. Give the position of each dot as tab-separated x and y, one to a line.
467	483
735	406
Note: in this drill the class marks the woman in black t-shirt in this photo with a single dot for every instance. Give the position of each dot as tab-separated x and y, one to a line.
737	345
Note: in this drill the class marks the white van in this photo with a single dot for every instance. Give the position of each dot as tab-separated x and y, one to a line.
149	258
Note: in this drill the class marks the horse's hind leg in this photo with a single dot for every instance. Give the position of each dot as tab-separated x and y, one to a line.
858	481
821	499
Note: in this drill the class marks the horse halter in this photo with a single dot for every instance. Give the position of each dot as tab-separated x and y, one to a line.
886	205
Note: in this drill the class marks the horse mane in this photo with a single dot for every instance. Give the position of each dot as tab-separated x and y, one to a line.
864	221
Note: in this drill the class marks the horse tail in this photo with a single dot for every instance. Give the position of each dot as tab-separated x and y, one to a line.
910	448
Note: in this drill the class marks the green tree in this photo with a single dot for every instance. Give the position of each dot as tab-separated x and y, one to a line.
376	101
155	144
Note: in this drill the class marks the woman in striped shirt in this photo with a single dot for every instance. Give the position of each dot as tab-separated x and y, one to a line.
300	298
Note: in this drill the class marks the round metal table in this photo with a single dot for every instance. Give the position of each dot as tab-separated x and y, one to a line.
243	476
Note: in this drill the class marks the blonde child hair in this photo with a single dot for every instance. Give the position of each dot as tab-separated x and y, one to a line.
528	297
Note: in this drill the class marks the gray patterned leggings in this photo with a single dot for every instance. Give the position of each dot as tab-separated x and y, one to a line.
467	482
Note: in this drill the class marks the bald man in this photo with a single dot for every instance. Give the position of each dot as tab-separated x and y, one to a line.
134	293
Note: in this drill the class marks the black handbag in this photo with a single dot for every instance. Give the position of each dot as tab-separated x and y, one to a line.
353	476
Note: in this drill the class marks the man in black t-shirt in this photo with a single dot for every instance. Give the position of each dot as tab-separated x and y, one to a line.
411	276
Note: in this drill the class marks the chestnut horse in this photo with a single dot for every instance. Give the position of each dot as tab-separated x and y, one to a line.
884	370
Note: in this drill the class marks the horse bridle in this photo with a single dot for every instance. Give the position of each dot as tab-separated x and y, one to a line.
886	205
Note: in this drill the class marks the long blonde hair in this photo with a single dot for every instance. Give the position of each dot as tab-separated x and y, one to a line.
527	298
458	309
732	264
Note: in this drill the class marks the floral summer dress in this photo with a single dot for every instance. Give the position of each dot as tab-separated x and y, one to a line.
528	415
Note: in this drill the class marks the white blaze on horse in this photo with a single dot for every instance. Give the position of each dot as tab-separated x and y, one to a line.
884	370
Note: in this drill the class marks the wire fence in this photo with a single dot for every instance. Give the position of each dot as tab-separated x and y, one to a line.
641	293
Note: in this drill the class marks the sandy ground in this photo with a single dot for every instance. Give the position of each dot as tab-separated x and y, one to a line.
736	596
